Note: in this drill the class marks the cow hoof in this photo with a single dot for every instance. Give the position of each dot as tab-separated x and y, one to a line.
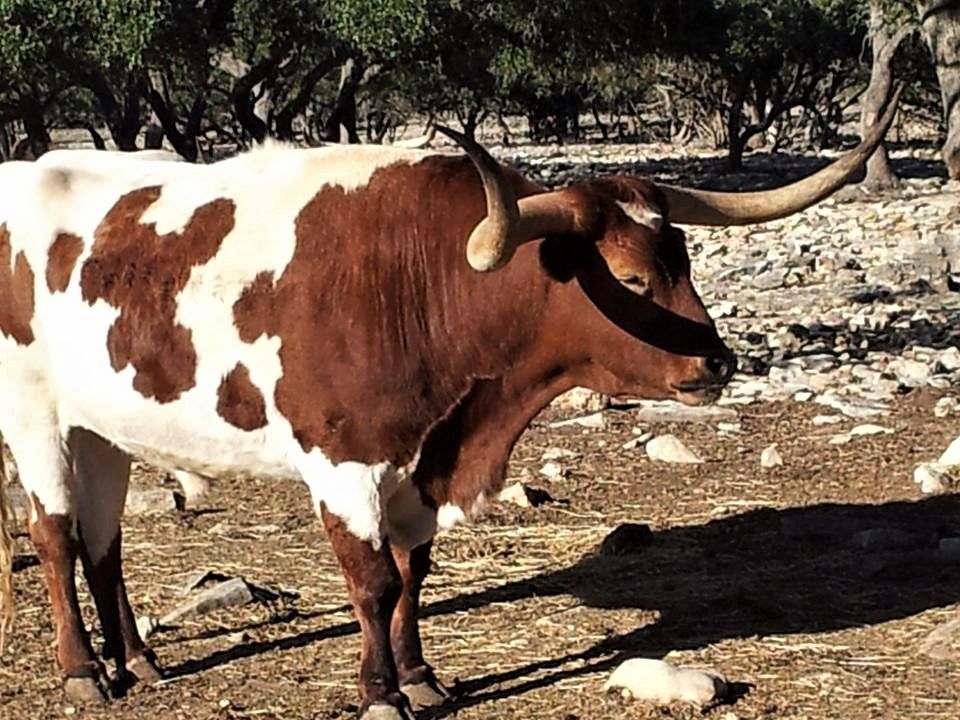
84	691
144	669
382	711
427	694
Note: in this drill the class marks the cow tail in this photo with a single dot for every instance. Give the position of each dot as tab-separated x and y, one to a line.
6	559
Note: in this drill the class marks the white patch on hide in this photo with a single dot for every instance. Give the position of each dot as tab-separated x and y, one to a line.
643	214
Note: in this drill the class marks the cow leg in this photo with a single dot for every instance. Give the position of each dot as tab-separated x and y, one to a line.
45	472
102	473
416	677
374	586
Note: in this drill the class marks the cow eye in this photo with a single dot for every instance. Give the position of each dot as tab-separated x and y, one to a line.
637	284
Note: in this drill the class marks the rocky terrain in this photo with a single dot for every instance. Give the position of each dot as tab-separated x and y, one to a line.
799	538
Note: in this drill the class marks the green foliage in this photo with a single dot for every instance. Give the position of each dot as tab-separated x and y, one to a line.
208	63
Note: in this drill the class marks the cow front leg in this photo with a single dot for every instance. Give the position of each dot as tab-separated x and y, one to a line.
122	642
86	680
374	586
416	677
102	474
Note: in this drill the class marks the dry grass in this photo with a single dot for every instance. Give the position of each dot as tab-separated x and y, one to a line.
525	619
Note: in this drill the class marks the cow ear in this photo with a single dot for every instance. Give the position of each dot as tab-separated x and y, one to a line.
563	256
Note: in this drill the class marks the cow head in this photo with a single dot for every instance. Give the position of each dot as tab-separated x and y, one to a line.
652	335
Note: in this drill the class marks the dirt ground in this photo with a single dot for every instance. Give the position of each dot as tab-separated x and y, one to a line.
750	572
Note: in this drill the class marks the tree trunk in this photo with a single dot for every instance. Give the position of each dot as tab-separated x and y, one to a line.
884	44
940	21
298	104
31	111
345	108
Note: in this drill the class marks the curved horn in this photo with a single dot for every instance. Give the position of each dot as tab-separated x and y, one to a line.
508	223
704	207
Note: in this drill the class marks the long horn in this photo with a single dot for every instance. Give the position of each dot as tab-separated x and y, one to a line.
704	207
508	223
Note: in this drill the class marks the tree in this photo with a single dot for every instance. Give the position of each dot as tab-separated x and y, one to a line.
772	57
940	22
47	46
889	26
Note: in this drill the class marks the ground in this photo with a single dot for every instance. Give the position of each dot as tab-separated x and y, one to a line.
750	572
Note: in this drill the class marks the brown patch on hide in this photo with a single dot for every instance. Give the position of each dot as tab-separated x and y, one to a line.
141	274
61	259
377	310
16	292
240	402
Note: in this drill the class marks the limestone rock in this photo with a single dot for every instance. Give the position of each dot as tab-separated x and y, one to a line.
582	400
153	501
660	682
932	478
770	457
951	456
594	420
523	496
668	448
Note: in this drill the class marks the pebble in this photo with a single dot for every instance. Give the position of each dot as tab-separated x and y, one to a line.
951	456
582	400
660	682
674	412
594	420
945	407
524	496
153	501
552	470
868	429
932	478
668	448
770	457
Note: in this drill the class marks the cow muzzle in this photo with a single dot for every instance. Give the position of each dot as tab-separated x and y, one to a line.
714	373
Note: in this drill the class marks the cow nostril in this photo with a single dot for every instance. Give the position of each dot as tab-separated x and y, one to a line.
719	366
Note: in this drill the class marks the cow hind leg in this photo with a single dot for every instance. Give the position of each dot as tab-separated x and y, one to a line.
374	586
45	472
416	677
102	473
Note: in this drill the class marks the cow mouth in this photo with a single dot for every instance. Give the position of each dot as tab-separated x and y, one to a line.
697	393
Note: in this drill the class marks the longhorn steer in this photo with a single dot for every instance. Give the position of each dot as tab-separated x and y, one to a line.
310	314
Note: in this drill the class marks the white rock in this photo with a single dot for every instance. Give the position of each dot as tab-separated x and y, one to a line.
932	478
146	626
910	373
945	407
668	448
951	456
581	400
557	453
949	359
669	411
803	396
150	502
658	681
594	420
827	419
552	470
729	427
840	439
869	429
770	457
516	494
722	309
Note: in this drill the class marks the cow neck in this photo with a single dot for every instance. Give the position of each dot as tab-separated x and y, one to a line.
465	456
